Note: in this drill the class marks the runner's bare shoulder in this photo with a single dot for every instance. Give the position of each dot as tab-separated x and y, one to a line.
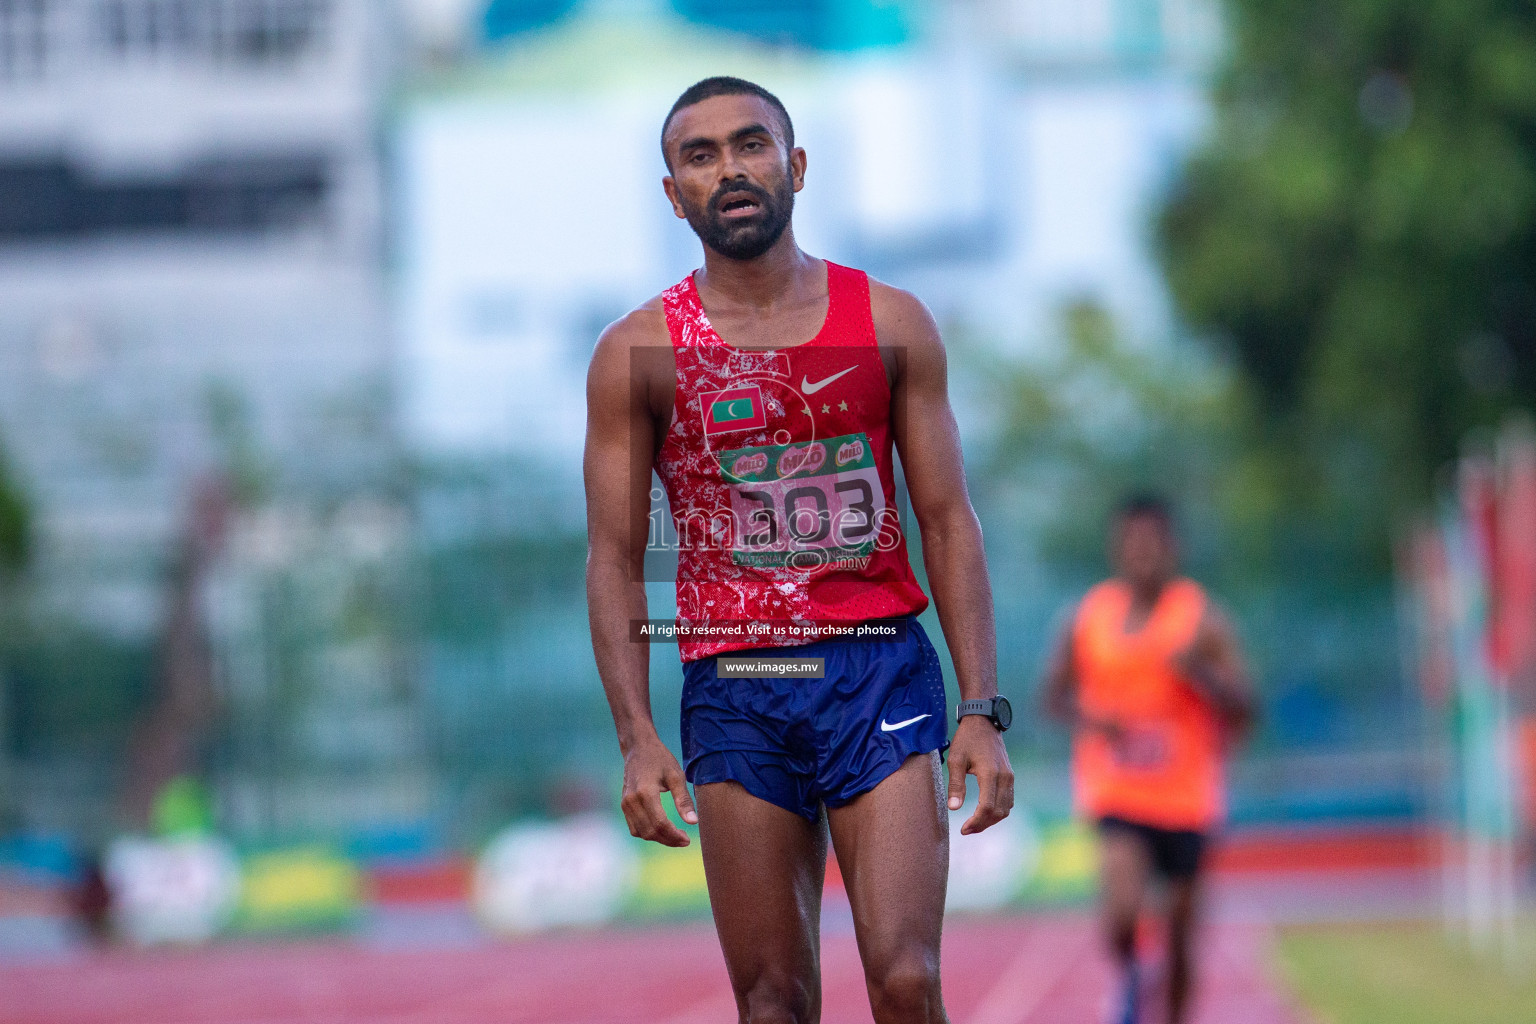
901	318
645	325
634	349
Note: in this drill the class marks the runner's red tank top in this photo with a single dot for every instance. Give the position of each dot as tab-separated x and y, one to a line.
777	466
1167	772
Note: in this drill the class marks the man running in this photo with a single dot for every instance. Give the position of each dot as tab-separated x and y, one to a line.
767	391
1149	675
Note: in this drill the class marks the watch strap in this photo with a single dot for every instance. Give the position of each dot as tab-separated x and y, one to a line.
974	707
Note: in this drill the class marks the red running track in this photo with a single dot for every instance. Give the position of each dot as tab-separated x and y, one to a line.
1037	969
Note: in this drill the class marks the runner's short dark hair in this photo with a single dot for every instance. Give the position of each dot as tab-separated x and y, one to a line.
1145	504
724	85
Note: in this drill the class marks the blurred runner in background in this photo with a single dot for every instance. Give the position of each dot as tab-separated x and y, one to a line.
1149	676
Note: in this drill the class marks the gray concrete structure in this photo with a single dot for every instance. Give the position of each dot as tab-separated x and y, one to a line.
192	284
190	263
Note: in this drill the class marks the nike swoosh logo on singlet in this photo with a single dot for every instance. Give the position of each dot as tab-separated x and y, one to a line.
810	389
892	727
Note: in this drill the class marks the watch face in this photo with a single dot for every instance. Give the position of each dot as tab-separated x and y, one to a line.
1002	711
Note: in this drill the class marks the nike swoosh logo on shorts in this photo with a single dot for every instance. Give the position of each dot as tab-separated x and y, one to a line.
810	389
892	727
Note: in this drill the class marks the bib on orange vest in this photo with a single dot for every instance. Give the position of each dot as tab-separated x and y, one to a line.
1166	771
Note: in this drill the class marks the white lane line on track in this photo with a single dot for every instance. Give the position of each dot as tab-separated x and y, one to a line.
1029	977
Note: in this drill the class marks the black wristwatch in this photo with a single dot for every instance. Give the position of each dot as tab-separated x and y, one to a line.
997	711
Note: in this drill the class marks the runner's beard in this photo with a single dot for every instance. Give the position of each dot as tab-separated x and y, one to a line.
748	240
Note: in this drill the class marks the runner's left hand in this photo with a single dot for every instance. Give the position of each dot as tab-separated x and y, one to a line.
978	750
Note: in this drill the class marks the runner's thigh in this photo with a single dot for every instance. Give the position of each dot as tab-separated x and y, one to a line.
893	851
765	866
1124	867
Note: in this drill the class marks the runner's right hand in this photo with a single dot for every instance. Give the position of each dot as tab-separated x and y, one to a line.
650	768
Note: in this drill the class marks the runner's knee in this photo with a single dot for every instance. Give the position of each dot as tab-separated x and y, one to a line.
776	1000
1120	931
905	988
1180	938
1183	914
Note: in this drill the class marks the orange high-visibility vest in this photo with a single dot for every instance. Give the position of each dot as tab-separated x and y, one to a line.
1167	772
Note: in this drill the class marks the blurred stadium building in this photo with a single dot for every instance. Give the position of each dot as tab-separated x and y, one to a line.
191	290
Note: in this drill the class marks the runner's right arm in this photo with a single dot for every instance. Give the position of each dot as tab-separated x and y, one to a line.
621	444
1059	695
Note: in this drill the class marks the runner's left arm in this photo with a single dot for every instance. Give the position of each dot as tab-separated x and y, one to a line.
928	441
1214	664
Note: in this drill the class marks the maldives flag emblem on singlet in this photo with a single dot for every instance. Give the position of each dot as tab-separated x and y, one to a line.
738	408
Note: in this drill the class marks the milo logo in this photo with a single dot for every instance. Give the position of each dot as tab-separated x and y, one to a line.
749	464
852	451
801	460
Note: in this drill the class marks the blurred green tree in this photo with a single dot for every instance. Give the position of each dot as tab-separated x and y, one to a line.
15	521
15	537
1098	417
1359	230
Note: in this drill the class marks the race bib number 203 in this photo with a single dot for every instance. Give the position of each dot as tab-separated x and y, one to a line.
805	506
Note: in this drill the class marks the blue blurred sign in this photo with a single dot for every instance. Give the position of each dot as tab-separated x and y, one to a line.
818	24
506	18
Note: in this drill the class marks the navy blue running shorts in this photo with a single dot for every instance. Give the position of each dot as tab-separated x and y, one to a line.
800	743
